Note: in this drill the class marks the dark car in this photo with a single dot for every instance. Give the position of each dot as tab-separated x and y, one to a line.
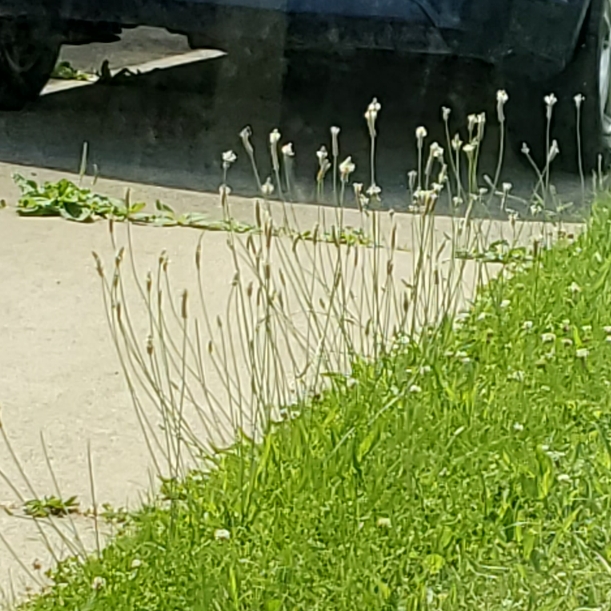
540	46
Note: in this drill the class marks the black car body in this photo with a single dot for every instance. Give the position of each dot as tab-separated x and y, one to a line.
519	34
539	46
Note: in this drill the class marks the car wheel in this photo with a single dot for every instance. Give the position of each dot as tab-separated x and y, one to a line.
28	54
584	137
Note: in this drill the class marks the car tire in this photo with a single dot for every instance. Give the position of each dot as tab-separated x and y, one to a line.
28	55
588	74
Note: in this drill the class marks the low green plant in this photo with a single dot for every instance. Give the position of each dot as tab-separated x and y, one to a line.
51	506
64	70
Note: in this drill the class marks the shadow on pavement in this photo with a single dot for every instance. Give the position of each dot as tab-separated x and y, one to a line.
170	127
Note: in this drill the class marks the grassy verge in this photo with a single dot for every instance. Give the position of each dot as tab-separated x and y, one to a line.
470	469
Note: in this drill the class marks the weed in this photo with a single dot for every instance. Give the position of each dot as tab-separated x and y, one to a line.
51	506
65	71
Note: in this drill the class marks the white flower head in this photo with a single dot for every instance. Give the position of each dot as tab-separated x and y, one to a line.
229	157
421	133
507	186
550	100
502	97
98	583
582	353
274	137
287	150
222	534
553	150
574	288
346	168
527	325
374	191
322	155
436	151
518	427
414	388
505	303
384	523
267	187
607	329
445	113
579	99
548	338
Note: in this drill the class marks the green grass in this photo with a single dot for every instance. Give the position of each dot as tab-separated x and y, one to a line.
470	469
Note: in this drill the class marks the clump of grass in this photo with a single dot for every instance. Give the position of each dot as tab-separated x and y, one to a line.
359	431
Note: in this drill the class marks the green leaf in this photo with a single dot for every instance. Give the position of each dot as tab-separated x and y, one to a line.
136	207
159	205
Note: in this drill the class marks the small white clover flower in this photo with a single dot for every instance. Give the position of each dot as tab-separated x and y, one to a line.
505	303
547	338
563	478
421	133
574	288
414	388
607	329
424	369
550	100
608	338
518	427
587	328
527	325
136	563
384	523
507	186
335	131
98	583
582	353
579	99
222	534
287	150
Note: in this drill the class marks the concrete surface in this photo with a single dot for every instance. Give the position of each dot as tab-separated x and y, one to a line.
162	135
